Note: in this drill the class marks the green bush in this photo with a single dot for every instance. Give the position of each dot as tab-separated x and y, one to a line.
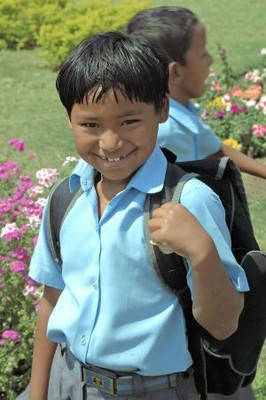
57	26
21	20
78	21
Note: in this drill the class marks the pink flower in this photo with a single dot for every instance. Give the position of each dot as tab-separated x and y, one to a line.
8	168
35	190
227	98
47	176
20	254
10	232
32	155
244	109
259	130
17	144
220	114
234	108
19	267
8	228
216	86
10	334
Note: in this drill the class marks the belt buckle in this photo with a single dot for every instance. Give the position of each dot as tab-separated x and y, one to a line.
105	383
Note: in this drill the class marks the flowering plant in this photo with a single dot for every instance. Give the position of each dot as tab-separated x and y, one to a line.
238	113
21	206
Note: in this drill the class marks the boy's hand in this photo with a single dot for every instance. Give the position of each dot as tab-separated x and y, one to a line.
172	225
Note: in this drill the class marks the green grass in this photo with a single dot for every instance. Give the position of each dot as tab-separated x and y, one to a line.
30	108
238	25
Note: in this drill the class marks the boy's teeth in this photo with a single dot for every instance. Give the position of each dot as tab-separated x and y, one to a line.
113	159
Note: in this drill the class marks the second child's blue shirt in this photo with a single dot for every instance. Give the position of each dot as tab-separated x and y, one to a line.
186	135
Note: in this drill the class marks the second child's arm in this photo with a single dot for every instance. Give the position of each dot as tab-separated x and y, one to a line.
44	349
245	163
216	303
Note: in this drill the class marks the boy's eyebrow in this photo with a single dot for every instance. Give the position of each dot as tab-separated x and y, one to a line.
122	115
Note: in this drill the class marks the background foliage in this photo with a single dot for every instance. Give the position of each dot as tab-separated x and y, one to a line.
56	27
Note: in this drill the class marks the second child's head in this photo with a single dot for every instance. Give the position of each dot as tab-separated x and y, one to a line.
115	90
180	34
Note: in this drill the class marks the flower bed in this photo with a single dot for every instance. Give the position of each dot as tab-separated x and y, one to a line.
21	207
237	114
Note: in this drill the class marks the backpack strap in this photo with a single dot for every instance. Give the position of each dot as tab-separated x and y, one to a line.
171	268
60	202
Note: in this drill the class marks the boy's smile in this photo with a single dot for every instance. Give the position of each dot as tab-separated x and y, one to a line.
115	135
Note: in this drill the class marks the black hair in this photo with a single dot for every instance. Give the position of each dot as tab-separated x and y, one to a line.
113	61
168	27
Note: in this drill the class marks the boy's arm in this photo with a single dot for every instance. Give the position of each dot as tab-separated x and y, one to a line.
216	302
44	349
245	163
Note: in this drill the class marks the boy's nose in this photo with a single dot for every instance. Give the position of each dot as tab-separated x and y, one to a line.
110	141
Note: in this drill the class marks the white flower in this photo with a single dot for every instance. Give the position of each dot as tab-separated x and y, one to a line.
41	201
69	159
263	51
250	103
8	228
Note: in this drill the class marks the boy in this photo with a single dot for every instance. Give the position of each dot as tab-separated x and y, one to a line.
182	36
121	331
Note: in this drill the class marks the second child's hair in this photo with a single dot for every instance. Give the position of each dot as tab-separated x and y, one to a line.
117	62
168	27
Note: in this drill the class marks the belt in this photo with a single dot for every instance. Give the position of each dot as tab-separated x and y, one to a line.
122	384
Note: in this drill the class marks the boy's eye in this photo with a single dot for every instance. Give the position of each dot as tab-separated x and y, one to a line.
91	125
129	121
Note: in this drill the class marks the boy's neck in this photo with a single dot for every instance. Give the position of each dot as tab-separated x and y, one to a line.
178	96
180	100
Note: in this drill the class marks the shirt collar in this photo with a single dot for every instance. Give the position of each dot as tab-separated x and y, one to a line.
186	115
148	179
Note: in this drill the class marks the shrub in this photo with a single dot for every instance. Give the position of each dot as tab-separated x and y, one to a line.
77	21
57	26
20	21
21	207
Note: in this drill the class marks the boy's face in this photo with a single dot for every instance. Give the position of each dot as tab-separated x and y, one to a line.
192	75
115	136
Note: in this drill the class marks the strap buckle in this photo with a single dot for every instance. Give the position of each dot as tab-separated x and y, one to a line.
102	382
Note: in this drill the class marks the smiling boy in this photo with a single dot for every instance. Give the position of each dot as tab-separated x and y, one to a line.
121	331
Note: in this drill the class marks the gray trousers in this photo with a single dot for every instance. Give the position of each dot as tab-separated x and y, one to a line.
65	385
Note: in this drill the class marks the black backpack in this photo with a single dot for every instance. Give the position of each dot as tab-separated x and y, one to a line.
220	366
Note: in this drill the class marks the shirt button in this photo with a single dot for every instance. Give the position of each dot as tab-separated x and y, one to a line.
82	340
95	285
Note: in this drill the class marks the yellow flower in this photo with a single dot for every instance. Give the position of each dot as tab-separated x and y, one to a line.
232	143
215	104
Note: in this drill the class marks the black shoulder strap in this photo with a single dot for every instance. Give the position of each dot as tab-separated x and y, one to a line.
60	202
171	268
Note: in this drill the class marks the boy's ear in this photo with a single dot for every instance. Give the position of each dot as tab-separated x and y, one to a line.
175	72
164	111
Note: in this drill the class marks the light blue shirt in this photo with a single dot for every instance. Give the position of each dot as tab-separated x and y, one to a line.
114	311
186	135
